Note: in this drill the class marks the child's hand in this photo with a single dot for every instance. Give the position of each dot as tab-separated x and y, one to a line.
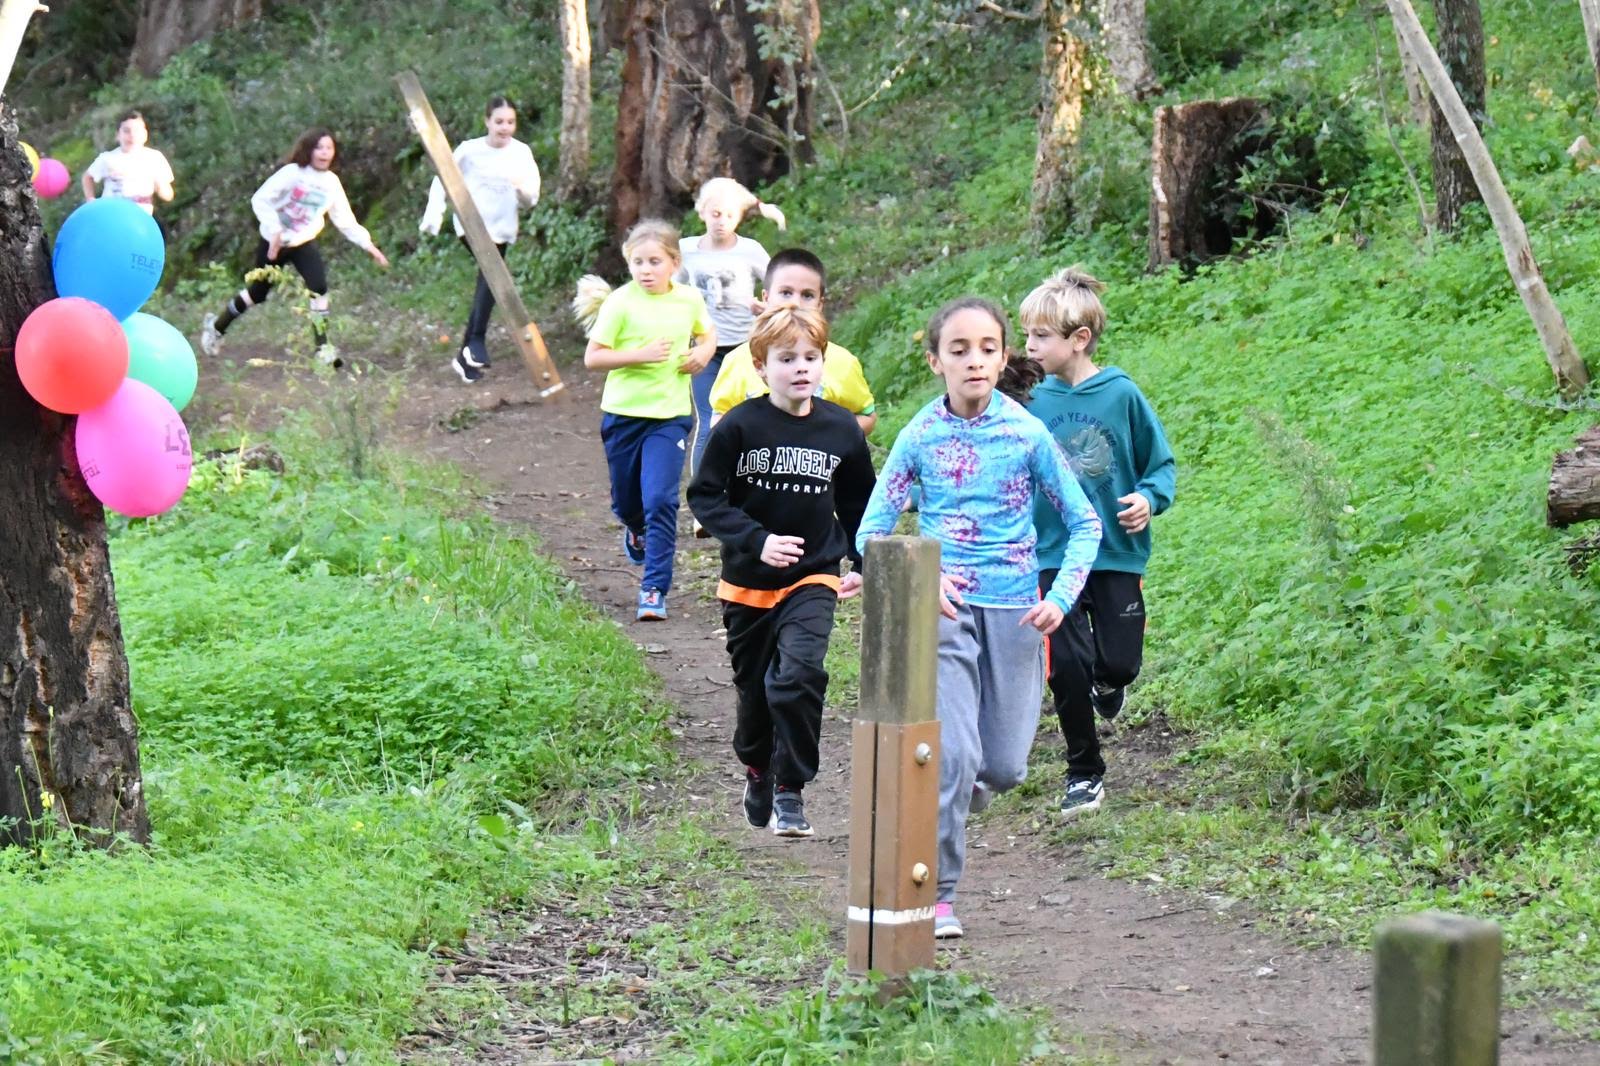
850	585
656	351
757	307
781	551
382	260
950	587
1137	513
1043	616
692	363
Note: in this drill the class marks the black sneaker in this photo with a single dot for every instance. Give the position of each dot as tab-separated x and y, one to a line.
757	799
1107	700
1083	794
464	370
475	355
633	546
789	819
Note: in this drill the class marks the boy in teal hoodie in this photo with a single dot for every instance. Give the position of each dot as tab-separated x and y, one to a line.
1115	444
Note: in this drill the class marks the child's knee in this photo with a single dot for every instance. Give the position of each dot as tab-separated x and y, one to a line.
1003	778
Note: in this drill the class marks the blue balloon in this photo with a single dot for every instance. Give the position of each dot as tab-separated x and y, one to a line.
110	251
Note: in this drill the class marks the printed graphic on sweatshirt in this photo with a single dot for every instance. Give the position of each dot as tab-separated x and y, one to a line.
301	209
1089	453
788	469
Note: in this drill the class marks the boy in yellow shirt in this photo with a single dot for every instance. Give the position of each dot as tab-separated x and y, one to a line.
795	277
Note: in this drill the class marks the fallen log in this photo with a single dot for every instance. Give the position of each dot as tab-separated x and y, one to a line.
1575	482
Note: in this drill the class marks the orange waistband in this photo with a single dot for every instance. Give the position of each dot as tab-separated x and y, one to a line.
771	597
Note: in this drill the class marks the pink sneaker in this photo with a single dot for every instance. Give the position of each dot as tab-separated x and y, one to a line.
946	926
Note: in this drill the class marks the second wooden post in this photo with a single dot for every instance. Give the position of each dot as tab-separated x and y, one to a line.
894	765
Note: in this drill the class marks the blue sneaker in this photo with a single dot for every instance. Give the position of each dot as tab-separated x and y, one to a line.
633	546
652	606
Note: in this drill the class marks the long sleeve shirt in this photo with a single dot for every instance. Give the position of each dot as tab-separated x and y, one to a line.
765	472
292	204
977	478
501	182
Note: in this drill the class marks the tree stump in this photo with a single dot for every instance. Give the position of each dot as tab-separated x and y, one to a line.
1574	494
1192	142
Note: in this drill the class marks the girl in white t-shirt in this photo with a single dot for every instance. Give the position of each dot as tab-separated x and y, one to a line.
727	269
291	206
502	179
132	170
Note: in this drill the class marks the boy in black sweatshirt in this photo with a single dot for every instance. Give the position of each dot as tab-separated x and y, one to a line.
782	485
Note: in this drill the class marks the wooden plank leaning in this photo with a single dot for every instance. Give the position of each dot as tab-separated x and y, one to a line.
530	342
894	784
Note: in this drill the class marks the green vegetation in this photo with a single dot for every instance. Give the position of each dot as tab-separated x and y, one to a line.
1383	665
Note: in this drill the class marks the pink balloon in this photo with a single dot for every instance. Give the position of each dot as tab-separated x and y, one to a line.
52	179
134	451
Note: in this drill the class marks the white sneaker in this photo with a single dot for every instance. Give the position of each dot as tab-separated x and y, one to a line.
210	337
328	355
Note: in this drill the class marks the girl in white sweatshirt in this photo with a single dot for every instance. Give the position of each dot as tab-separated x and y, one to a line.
502	179
291	206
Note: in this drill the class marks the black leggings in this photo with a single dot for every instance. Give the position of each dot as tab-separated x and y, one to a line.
482	303
307	261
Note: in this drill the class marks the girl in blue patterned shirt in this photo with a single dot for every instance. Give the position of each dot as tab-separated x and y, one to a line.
977	457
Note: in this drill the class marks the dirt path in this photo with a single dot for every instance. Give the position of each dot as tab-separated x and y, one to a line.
1156	976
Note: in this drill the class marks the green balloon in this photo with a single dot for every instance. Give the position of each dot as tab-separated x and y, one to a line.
161	357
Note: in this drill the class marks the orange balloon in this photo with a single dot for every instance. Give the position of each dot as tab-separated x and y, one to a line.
71	354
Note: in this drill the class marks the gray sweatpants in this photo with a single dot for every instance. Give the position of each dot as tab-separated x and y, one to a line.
991	678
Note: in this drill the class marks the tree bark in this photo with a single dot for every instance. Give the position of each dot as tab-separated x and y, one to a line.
1572	376
1574	494
1123	29
1591	34
67	729
1460	24
166	27
575	97
1062	86
710	90
1190	141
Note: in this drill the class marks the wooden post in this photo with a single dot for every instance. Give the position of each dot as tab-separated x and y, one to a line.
14	16
894	767
506	298
1436	994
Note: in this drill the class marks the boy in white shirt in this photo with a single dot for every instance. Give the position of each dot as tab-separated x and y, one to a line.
132	170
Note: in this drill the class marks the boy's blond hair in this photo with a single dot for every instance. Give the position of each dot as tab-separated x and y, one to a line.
780	324
741	199
1069	300
592	289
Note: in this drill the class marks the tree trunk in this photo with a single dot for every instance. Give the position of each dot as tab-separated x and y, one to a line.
1062	87
1572	376
1418	105
1591	34
575	98
67	730
1127	47
1190	142
710	90
1460	25
166	27
1574	494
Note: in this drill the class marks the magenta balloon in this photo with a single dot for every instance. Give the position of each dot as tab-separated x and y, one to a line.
134	451
52	179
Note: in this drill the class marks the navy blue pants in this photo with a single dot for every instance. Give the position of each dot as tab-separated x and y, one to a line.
646	460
